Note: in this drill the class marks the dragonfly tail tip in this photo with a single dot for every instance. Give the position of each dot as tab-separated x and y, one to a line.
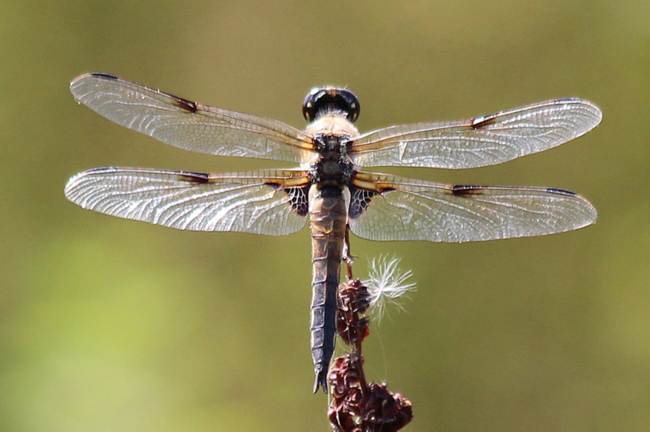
320	382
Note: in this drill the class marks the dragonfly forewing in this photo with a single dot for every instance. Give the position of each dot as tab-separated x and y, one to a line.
190	125
481	141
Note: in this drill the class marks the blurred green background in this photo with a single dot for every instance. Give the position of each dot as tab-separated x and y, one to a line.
115	325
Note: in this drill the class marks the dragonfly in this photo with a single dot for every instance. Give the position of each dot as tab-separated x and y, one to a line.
328	186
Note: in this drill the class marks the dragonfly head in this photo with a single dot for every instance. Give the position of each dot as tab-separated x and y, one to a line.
326	100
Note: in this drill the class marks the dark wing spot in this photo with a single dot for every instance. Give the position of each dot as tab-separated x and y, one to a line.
467	190
560	191
185	104
298	197
104	76
483	121
359	201
194	177
104	170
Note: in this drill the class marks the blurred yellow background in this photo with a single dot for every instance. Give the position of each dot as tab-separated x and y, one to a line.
114	325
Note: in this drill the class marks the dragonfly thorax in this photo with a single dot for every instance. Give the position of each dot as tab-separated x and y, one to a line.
332	144
333	166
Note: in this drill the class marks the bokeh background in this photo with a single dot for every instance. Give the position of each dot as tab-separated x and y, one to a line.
115	325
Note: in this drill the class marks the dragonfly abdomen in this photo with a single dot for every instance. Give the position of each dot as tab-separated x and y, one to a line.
328	219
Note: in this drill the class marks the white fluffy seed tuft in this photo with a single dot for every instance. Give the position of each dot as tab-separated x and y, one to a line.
387	283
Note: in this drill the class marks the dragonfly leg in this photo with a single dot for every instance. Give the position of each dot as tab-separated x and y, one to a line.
348	258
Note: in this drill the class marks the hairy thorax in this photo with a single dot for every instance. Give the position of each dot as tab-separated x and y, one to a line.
331	165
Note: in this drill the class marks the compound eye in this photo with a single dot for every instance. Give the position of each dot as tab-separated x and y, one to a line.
326	100
308	106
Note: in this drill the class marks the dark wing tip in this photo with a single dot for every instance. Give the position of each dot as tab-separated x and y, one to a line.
98	75
568	100
81	81
102	170
103	76
560	191
72	181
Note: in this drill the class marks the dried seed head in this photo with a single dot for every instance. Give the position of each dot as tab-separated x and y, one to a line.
387	283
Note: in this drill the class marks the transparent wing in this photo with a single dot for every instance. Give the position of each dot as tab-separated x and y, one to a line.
189	125
387	207
260	202
481	141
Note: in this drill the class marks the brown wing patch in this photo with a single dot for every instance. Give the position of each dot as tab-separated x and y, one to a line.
185	104
299	199
194	177
363	187
467	190
296	186
359	201
484	121
373	182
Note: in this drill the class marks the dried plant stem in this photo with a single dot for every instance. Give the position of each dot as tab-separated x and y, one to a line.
356	405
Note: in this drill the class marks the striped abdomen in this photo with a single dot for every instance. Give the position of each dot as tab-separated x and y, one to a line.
328	219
